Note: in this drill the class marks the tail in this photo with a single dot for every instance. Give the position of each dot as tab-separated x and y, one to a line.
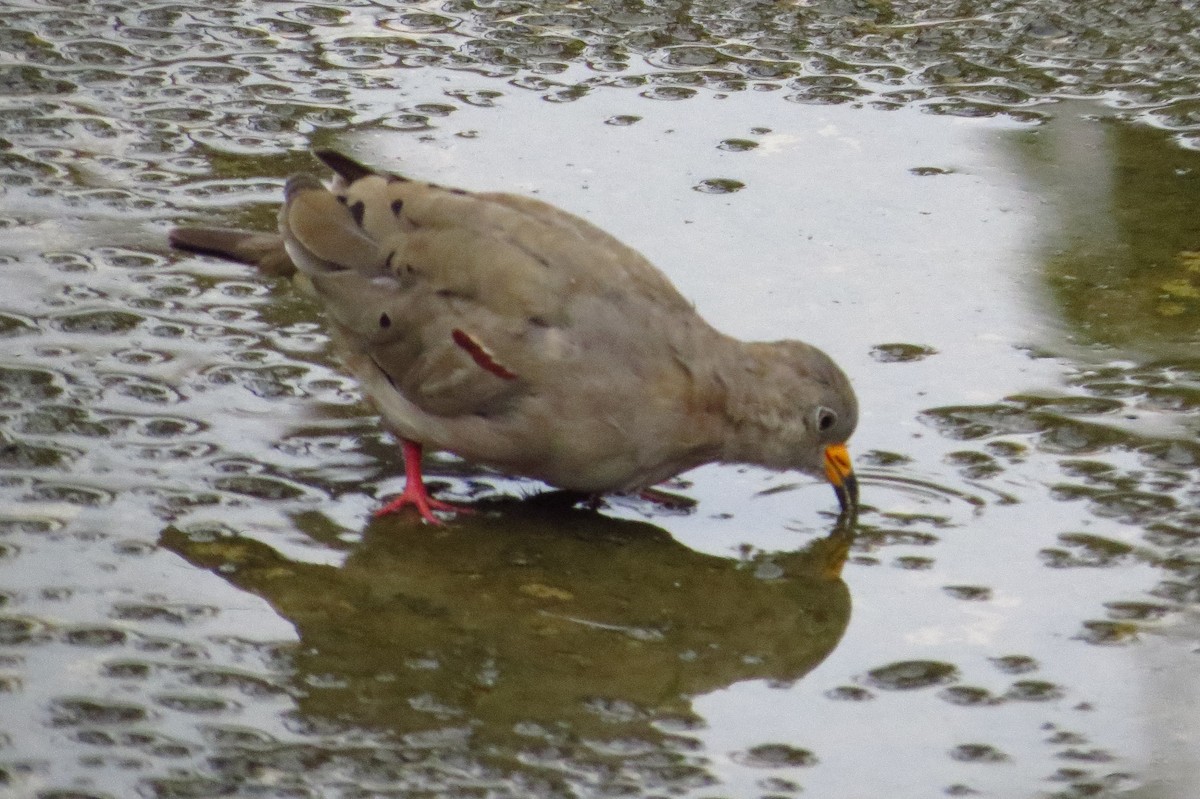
265	250
262	250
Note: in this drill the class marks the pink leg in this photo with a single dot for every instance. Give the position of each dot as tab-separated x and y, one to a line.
414	489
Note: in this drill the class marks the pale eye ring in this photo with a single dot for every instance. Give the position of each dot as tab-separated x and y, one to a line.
826	419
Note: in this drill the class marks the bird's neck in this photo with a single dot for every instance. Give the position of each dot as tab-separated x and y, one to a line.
756	407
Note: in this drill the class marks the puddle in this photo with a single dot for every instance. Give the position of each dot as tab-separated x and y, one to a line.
987	215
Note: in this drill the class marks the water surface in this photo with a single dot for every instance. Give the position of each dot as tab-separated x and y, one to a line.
986	214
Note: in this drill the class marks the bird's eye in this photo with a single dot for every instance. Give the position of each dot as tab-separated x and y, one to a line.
825	419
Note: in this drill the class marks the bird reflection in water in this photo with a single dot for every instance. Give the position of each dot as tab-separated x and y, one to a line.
557	620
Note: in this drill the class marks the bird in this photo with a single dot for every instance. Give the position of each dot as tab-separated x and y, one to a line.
523	338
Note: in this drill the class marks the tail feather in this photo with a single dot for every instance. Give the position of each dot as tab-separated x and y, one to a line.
262	250
344	166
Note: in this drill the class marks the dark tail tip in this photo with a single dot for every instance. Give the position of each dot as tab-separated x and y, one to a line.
262	250
346	167
221	242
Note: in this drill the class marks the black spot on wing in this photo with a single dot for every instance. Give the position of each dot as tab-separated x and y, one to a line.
397	207
405	273
357	210
385	321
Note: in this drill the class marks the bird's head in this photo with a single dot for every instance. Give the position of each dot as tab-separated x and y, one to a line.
796	411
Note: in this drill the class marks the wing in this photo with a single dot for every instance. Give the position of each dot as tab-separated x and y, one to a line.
464	302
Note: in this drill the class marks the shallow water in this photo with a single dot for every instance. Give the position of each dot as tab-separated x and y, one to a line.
987	215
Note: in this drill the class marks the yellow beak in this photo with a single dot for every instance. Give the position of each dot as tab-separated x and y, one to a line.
840	473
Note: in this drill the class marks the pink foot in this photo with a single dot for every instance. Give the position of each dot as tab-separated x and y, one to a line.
415	493
420	500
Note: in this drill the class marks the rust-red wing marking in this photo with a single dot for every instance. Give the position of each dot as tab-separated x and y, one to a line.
480	354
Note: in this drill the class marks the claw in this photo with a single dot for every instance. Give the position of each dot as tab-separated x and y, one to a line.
415	493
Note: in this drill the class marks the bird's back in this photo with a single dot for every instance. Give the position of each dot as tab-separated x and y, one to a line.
506	330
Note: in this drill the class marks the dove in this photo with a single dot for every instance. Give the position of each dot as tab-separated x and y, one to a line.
523	338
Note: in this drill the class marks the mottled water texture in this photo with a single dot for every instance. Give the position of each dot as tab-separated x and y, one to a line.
986	213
